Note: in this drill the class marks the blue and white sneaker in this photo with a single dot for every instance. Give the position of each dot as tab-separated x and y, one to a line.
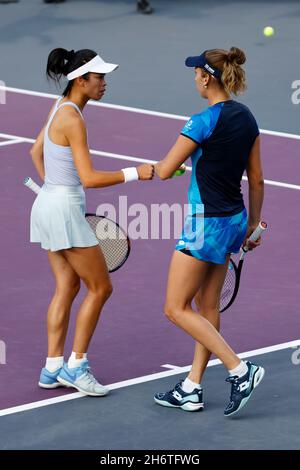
243	387
177	398
82	379
49	379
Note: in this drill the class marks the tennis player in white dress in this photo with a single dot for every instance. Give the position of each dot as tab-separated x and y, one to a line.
62	159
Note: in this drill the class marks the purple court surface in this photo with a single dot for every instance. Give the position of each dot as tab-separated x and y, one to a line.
133	338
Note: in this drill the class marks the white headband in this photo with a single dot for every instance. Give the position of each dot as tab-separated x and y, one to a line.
96	65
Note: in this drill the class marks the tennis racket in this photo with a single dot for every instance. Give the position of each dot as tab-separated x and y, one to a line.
113	241
233	276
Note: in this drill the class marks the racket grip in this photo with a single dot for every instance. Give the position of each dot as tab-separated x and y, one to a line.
257	233
31	185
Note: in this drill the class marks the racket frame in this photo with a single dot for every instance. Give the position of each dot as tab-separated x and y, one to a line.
262	226
237	272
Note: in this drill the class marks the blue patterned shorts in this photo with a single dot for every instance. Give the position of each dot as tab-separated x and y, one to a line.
212	238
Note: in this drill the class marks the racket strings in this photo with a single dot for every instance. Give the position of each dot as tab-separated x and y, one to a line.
112	240
228	286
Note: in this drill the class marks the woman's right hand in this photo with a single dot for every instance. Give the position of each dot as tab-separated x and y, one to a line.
145	171
250	244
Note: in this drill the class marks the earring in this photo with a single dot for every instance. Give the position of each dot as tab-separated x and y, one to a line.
205	86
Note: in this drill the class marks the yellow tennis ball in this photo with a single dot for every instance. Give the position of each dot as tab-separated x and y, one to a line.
181	170
268	31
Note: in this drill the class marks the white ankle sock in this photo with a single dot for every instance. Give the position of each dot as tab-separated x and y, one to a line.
239	370
54	363
188	385
73	362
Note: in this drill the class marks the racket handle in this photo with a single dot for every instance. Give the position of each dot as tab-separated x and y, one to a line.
32	185
256	234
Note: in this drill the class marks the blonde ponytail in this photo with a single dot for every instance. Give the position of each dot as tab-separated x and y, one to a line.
233	78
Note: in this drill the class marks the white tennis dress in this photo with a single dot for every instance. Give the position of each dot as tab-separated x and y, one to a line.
58	214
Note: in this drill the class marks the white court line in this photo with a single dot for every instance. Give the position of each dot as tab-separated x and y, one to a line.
97	104
17	137
135	110
171	366
117	156
144	379
278	184
280	134
11	142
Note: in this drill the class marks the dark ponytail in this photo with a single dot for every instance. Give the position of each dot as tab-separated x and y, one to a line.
61	62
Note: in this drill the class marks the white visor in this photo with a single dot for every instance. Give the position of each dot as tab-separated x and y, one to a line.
96	65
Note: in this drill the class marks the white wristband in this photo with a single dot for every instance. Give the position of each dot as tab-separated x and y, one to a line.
130	174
